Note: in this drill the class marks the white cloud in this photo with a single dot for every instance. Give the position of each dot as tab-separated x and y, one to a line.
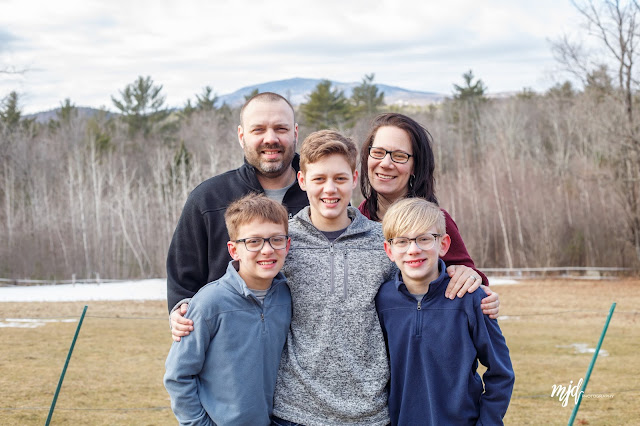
88	50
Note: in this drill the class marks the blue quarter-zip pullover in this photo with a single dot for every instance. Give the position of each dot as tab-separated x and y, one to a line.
434	346
225	371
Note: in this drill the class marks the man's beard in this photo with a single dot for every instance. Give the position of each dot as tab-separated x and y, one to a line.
272	168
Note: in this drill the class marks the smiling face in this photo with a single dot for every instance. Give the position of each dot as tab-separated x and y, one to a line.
329	183
257	268
268	136
389	179
418	267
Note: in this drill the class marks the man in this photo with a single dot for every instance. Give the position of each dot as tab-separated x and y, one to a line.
198	252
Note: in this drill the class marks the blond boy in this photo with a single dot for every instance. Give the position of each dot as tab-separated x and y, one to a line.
426	333
224	371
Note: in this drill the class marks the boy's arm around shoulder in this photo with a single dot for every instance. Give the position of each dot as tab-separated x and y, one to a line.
185	361
493	353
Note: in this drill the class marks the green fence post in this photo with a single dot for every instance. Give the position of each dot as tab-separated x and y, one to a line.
66	364
593	361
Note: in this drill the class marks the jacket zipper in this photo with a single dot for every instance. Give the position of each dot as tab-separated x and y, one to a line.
332	268
261	307
346	274
419	319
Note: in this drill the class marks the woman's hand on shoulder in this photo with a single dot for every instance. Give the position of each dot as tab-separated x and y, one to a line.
463	280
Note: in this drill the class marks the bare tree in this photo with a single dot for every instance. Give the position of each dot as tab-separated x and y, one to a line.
614	25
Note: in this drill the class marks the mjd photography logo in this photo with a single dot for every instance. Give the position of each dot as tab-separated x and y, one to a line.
563	393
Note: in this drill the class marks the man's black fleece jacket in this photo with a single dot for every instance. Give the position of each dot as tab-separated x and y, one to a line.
198	252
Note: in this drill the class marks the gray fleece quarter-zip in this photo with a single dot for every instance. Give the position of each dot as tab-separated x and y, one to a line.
334	368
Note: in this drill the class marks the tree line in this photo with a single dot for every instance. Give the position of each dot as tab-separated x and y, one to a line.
532	179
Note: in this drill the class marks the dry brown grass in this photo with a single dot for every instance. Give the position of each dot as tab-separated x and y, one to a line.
544	316
115	374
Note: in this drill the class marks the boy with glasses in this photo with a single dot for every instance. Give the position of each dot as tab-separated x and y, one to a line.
427	334
224	371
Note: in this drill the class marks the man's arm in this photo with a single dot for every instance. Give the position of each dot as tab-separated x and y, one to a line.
187	260
499	377
180	326
183	364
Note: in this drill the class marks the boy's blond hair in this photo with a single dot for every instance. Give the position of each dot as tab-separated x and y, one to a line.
323	143
412	215
254	207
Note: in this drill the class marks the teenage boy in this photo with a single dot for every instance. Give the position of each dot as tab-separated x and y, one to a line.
334	368
225	371
427	334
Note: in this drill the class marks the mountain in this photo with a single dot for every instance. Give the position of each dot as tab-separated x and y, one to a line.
297	89
83	112
294	89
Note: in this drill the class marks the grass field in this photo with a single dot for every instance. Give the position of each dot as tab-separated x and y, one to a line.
115	374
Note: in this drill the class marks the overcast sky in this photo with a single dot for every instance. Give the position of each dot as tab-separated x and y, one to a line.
89	50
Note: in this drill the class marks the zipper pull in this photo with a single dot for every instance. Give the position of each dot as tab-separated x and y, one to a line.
262	316
419	304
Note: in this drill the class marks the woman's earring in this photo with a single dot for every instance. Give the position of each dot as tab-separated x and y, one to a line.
412	180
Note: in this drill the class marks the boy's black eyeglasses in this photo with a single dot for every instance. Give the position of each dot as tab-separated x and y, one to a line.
277	242
424	242
396	156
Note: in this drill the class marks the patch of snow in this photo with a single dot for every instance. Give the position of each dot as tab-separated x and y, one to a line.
507	318
583	348
152	289
502	281
30	322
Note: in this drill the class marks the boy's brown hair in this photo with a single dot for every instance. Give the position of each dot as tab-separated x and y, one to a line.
254	207
412	215
327	142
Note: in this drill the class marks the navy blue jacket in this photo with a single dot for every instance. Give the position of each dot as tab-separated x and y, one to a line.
434	346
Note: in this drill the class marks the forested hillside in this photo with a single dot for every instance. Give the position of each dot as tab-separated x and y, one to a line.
532	179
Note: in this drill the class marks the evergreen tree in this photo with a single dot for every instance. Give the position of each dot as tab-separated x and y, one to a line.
562	91
326	107
207	101
10	114
470	90
468	98
99	131
225	116
142	106
366	97
251	95
599	83
188	109
67	111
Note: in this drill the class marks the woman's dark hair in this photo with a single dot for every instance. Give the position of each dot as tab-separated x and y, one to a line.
423	184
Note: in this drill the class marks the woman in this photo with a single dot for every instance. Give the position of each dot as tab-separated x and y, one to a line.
396	161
